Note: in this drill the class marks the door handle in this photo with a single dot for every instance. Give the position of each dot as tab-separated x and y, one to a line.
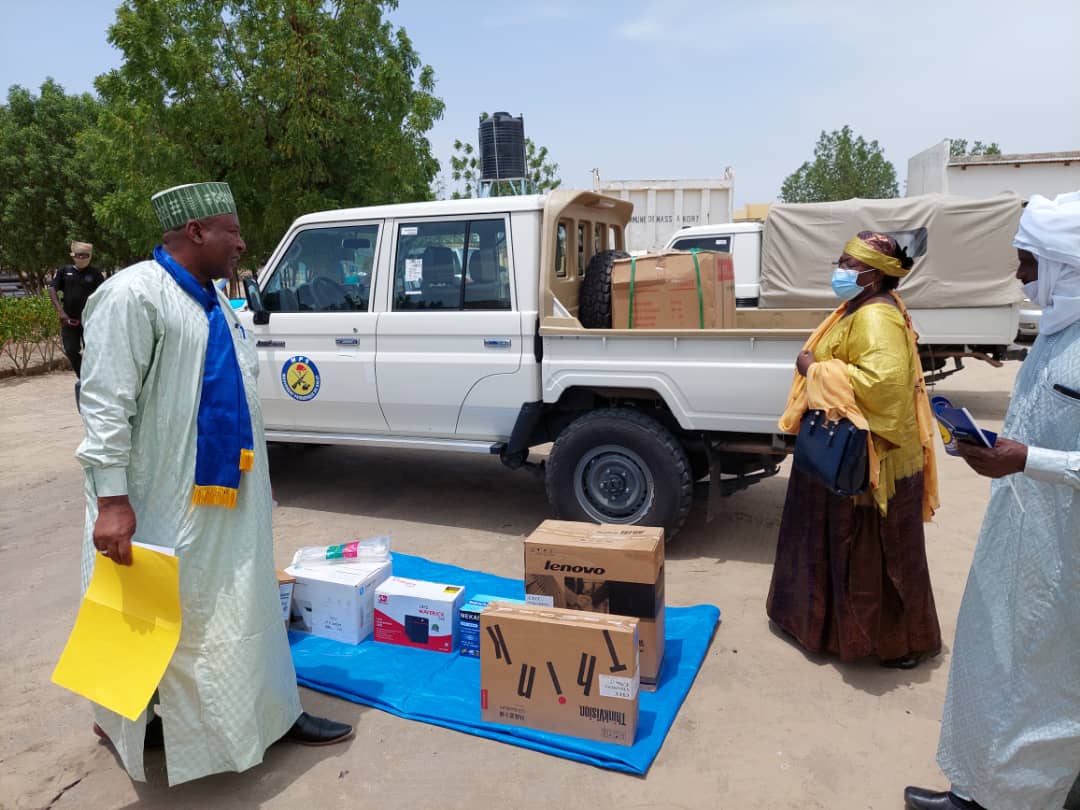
276	344
496	343
347	341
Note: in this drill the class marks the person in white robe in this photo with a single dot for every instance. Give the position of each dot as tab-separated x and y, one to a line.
1010	735
229	690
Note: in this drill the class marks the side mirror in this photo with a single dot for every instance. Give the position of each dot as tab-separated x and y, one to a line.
260	315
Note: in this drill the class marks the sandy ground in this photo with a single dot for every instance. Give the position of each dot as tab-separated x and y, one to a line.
765	726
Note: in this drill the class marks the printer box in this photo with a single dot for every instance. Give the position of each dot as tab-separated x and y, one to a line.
285	584
605	569
336	600
418	614
566	671
469	621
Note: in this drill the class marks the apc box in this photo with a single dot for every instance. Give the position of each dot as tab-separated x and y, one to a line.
336	600
419	614
469	622
565	671
604	569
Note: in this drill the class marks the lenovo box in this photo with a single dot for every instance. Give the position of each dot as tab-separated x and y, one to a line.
564	671
605	569
469	622
285	584
670	293
336	600
418	614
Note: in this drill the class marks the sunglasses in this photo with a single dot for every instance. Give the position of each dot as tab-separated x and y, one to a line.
81	255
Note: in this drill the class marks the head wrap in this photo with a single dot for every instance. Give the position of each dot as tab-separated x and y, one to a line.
1050	231
875	250
82	247
178	205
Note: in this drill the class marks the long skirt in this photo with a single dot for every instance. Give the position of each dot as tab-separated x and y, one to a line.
850	582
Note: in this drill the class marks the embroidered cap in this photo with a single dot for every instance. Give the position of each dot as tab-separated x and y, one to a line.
177	205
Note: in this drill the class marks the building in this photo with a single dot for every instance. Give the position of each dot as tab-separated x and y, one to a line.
1048	173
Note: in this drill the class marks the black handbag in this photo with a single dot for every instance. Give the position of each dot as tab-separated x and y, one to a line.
834	453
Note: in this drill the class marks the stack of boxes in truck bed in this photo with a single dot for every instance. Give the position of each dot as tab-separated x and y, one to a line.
603	569
675	290
565	671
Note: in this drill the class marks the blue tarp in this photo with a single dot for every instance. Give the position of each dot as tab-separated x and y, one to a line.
444	688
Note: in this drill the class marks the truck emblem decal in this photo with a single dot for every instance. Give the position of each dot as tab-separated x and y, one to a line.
300	378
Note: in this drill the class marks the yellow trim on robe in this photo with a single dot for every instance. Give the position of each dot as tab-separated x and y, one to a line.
877	346
247	460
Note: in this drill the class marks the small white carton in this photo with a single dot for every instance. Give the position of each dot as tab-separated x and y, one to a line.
418	614
337	600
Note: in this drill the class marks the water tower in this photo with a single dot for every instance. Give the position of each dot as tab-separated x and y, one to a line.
502	152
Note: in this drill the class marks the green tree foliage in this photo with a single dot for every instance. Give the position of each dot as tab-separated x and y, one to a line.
958	147
844	166
44	199
300	105
29	331
542	172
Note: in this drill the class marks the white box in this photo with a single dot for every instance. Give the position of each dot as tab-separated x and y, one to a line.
337	600
418	614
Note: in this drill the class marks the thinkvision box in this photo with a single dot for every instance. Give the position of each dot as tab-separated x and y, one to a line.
565	671
415	613
469	622
604	569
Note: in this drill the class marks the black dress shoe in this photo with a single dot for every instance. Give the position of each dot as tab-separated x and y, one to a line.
310	730
919	799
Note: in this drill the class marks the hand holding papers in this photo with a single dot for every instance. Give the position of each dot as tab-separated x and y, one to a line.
126	631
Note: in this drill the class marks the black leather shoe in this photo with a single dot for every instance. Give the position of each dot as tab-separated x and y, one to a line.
919	799
310	730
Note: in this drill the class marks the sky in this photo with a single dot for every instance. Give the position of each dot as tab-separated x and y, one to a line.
641	89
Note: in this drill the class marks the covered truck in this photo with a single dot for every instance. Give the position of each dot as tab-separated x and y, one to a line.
962	293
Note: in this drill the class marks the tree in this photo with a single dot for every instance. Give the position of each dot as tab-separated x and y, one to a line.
300	105
542	174
958	147
844	166
44	199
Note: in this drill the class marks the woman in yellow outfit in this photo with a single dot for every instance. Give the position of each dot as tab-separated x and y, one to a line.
851	576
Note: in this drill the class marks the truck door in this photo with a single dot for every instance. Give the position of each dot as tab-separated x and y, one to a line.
450	344
317	353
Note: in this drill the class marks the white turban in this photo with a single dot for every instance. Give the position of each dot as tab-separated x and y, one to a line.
1050	230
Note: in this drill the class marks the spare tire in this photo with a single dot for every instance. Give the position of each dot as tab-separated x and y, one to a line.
594	298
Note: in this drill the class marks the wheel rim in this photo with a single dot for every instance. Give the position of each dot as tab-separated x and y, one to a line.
613	485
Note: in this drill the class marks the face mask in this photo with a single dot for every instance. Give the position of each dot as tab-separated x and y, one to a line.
845	283
1031	290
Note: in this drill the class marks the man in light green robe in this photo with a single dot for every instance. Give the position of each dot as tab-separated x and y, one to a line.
230	689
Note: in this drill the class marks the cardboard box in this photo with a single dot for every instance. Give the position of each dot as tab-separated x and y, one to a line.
337	600
605	569
418	614
285	584
469	622
667	294
566	671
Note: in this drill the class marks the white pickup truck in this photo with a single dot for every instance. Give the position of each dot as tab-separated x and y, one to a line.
452	326
963	298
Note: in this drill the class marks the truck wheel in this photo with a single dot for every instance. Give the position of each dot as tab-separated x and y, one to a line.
594	295
619	466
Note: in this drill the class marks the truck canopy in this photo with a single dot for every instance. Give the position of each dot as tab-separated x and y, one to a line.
969	260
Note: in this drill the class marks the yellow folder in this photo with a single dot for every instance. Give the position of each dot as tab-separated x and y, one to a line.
126	632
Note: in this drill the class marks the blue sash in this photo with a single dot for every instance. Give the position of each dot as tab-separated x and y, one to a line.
225	442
